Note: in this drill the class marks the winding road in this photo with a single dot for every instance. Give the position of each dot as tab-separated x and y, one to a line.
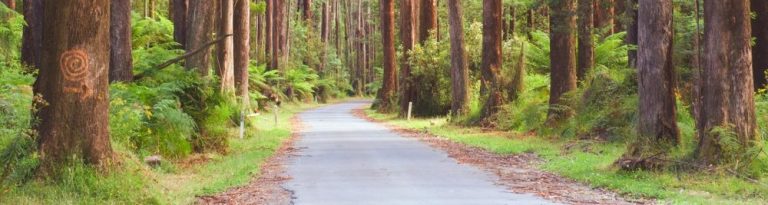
343	159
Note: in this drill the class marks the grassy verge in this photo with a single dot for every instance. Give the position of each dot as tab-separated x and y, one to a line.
177	182
591	162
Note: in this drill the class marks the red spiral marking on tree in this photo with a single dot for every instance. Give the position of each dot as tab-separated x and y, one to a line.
74	65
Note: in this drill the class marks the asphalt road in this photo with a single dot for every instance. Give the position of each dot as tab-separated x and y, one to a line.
347	160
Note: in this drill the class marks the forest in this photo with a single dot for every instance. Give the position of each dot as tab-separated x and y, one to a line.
168	101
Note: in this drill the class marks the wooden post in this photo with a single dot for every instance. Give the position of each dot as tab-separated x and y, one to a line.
276	111
410	108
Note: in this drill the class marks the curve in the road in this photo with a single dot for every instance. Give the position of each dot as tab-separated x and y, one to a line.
347	160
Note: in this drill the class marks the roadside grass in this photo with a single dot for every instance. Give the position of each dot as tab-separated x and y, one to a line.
591	163
176	182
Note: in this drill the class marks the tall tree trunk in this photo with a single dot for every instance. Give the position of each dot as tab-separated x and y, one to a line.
531	23
73	81
760	33
562	56
428	22
178	13
407	38
631	39
387	92
225	68
324	36
306	12
492	58
511	23
657	122
120	58
269	30
32	39
604	14
242	47
728	87
199	31
459	71
277	25
586	44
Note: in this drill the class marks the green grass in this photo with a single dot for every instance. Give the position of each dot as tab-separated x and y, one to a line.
592	163
132	182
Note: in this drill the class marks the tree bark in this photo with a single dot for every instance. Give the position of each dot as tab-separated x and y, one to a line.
268	31
242	47
407	38
428	22
459	71
225	49
760	33
178	13
306	12
32	39
510	29
631	39
120	57
586	44
387	92
492	58
604	14
657	122
727	83
277	32
199	30
324	37
73	82
562	56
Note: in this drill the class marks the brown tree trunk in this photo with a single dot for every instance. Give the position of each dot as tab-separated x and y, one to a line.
225	68
428	22
530	22
459	71
631	39
407	38
242	47
562	56
120	58
586	45
604	14
760	51
306	12
492	58
387	92
511	23
32	39
73	81
269	30
178	13
324	36
727	83
199	31
657	122
277	33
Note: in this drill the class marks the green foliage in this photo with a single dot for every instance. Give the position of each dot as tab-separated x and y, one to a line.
302	80
430	73
11	26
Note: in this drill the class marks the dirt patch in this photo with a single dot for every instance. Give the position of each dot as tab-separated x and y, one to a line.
267	187
519	173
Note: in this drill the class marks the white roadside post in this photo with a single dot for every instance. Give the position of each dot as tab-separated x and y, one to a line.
410	109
